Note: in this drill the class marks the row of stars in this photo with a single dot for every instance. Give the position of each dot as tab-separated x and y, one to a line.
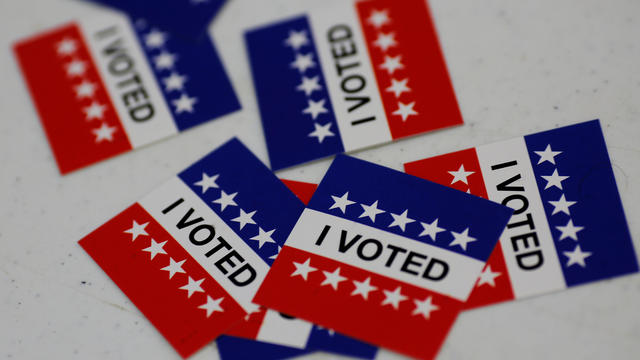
364	288
577	256
244	218
165	61
77	68
430	230
175	267
296	40
385	41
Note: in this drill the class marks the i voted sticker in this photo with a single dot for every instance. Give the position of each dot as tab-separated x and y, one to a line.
349	75
384	257
568	227
103	86
192	253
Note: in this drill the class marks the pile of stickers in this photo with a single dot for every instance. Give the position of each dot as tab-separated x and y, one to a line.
371	256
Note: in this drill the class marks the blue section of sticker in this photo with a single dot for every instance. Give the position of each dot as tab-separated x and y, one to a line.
581	200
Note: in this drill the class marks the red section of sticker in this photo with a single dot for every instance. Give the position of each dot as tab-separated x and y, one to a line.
409	66
76	112
335	295
170	288
250	327
461	170
304	191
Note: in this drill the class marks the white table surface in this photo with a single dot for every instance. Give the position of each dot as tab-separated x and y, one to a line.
517	67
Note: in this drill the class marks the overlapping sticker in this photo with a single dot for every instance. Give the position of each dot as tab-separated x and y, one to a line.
106	85
192	253
186	18
568	227
271	327
384	257
349	76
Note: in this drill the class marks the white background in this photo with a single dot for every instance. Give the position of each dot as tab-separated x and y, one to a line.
517	67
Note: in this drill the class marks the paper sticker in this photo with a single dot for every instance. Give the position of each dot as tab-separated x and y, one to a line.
349	76
192	254
106	85
186	18
568	226
384	257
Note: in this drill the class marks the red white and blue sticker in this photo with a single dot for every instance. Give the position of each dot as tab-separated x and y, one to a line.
568	226
192	254
107	85
186	18
267	334
384	257
349	76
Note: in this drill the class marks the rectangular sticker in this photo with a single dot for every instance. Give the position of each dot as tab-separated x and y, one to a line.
192	253
384	257
107	85
559	183
349	76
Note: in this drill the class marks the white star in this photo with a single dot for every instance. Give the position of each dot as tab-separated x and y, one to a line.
488	277
297	39
385	41
309	85
460	175
155	248
562	205
363	288
85	89
554	180
331	332
137	230
371	211
184	103
405	110
462	239
378	18
174	267
155	39
332	278
398	87
104	132
401	220
192	286
341	202
174	81
315	108
212	305
547	155
391	64
225	200
303	269
207	182
393	297
67	47
245	218
303	62
576	256
274	256
76	68
321	132
424	307
165	60
94	111
431	230
263	237
569	230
